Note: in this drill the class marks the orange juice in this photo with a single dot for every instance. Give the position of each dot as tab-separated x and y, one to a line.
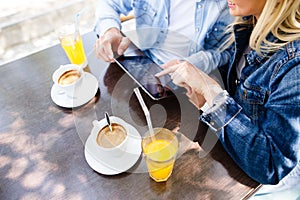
74	49
160	158
160	150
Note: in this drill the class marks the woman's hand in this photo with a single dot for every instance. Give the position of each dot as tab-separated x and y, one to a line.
111	41
200	87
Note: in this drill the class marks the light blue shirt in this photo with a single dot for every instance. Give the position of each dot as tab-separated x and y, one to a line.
152	21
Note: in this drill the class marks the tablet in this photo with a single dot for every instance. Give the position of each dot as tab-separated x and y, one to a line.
142	70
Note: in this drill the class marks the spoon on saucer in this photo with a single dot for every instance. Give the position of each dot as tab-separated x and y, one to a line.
108	121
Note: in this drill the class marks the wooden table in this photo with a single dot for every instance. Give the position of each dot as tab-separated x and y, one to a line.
42	145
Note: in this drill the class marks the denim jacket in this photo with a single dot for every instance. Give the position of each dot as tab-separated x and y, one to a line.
259	123
152	20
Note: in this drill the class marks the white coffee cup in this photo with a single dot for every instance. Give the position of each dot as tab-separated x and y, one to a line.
113	150
68	78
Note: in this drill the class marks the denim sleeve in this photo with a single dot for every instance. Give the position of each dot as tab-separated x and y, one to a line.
209	60
209	56
269	149
221	113
108	14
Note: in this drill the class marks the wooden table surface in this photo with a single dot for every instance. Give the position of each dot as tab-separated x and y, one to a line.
42	144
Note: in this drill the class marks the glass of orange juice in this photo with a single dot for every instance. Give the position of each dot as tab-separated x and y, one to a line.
71	41
160	150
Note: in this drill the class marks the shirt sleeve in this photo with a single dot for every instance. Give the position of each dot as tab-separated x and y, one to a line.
209	60
108	14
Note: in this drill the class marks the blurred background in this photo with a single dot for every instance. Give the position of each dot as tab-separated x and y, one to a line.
28	26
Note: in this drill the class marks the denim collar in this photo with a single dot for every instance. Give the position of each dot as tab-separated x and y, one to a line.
242	34
254	57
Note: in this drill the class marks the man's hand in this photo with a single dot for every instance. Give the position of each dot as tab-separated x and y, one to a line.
111	41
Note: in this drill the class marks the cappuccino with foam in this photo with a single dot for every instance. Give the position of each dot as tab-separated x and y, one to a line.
111	138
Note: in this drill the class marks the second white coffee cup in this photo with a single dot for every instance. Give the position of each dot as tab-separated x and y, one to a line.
117	150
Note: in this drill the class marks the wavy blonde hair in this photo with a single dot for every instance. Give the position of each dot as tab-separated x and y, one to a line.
282	19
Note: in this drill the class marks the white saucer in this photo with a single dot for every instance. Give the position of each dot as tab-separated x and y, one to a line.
110	165
87	91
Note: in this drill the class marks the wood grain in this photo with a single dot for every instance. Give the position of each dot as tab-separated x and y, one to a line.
42	145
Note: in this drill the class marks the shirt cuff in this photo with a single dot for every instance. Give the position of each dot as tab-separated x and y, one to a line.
101	27
224	110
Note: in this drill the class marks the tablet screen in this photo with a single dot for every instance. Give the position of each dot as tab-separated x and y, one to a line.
142	69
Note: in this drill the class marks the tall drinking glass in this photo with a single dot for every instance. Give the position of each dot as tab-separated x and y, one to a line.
160	150
71	41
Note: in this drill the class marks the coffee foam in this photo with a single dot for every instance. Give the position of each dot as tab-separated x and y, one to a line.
69	77
110	139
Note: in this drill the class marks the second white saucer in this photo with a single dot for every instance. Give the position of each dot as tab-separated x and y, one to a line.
86	92
109	165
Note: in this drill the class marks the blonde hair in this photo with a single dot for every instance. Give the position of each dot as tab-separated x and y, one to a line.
282	19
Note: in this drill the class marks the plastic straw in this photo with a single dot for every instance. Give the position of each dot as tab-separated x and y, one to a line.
146	111
76	23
